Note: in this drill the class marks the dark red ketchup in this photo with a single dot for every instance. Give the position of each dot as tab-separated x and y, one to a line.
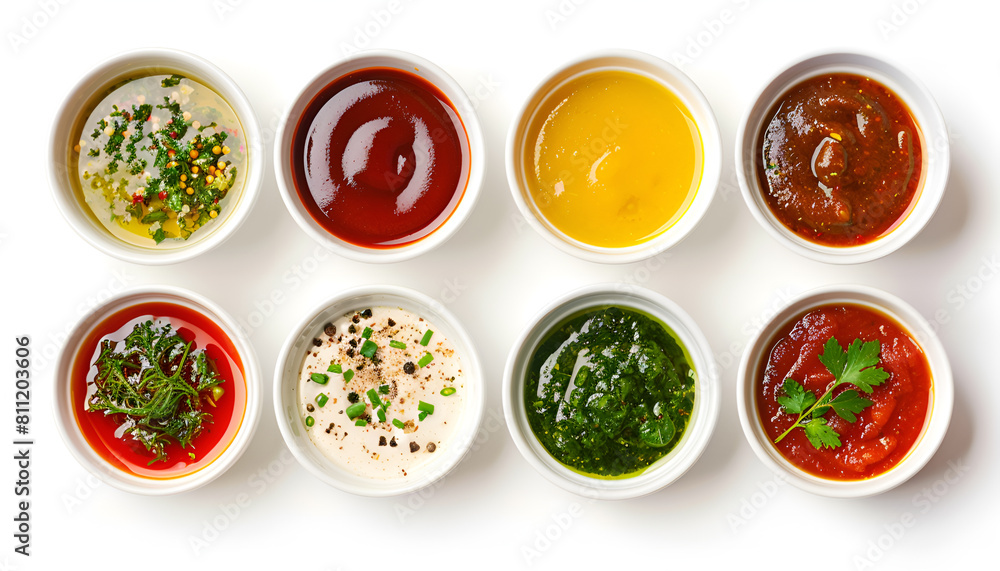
380	158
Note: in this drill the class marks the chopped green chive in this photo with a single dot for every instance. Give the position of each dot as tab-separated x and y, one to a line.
310	421
447	391
397	344
367	332
384	389
381	415
360	422
422	415
426	338
335	368
368	348
425	360
319	378
426	407
321	399
355	410
348	375
398	423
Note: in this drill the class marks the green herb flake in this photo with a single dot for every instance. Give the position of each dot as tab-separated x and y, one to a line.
425	360
335	368
425	407
360	422
426	338
398	423
367	333
397	344
368	349
355	410
348	375
319	378
321	400
171	81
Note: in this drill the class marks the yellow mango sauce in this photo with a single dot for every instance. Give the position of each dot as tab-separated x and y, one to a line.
613	159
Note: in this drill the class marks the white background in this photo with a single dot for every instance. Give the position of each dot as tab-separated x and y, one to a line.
494	511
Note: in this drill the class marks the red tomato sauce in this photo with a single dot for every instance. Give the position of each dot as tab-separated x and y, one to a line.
884	432
380	158
217	433
841	160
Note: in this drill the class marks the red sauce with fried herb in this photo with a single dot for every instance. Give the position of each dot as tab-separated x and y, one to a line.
104	432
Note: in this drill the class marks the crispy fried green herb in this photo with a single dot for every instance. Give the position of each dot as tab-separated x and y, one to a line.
157	383
856	366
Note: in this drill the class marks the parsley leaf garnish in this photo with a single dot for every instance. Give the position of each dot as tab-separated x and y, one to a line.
797	398
819	434
857	367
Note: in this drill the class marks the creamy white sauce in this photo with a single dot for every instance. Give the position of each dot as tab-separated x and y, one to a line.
367	450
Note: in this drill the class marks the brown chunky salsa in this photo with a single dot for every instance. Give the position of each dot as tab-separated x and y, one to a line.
840	159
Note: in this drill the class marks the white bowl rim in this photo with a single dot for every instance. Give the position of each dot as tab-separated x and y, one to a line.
698	433
221	83
472	418
936	150
711	170
463	106
913	323
115	477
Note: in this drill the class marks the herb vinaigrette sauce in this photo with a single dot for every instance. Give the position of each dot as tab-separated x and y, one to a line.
609	391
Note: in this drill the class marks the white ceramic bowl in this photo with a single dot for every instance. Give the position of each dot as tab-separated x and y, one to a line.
758	351
933	140
68	126
66	410
463	106
289	365
671	78
706	403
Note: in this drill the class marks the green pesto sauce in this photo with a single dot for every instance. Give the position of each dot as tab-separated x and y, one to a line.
609	391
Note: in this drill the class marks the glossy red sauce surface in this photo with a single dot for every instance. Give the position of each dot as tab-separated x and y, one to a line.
841	159
380	158
130	455
884	432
